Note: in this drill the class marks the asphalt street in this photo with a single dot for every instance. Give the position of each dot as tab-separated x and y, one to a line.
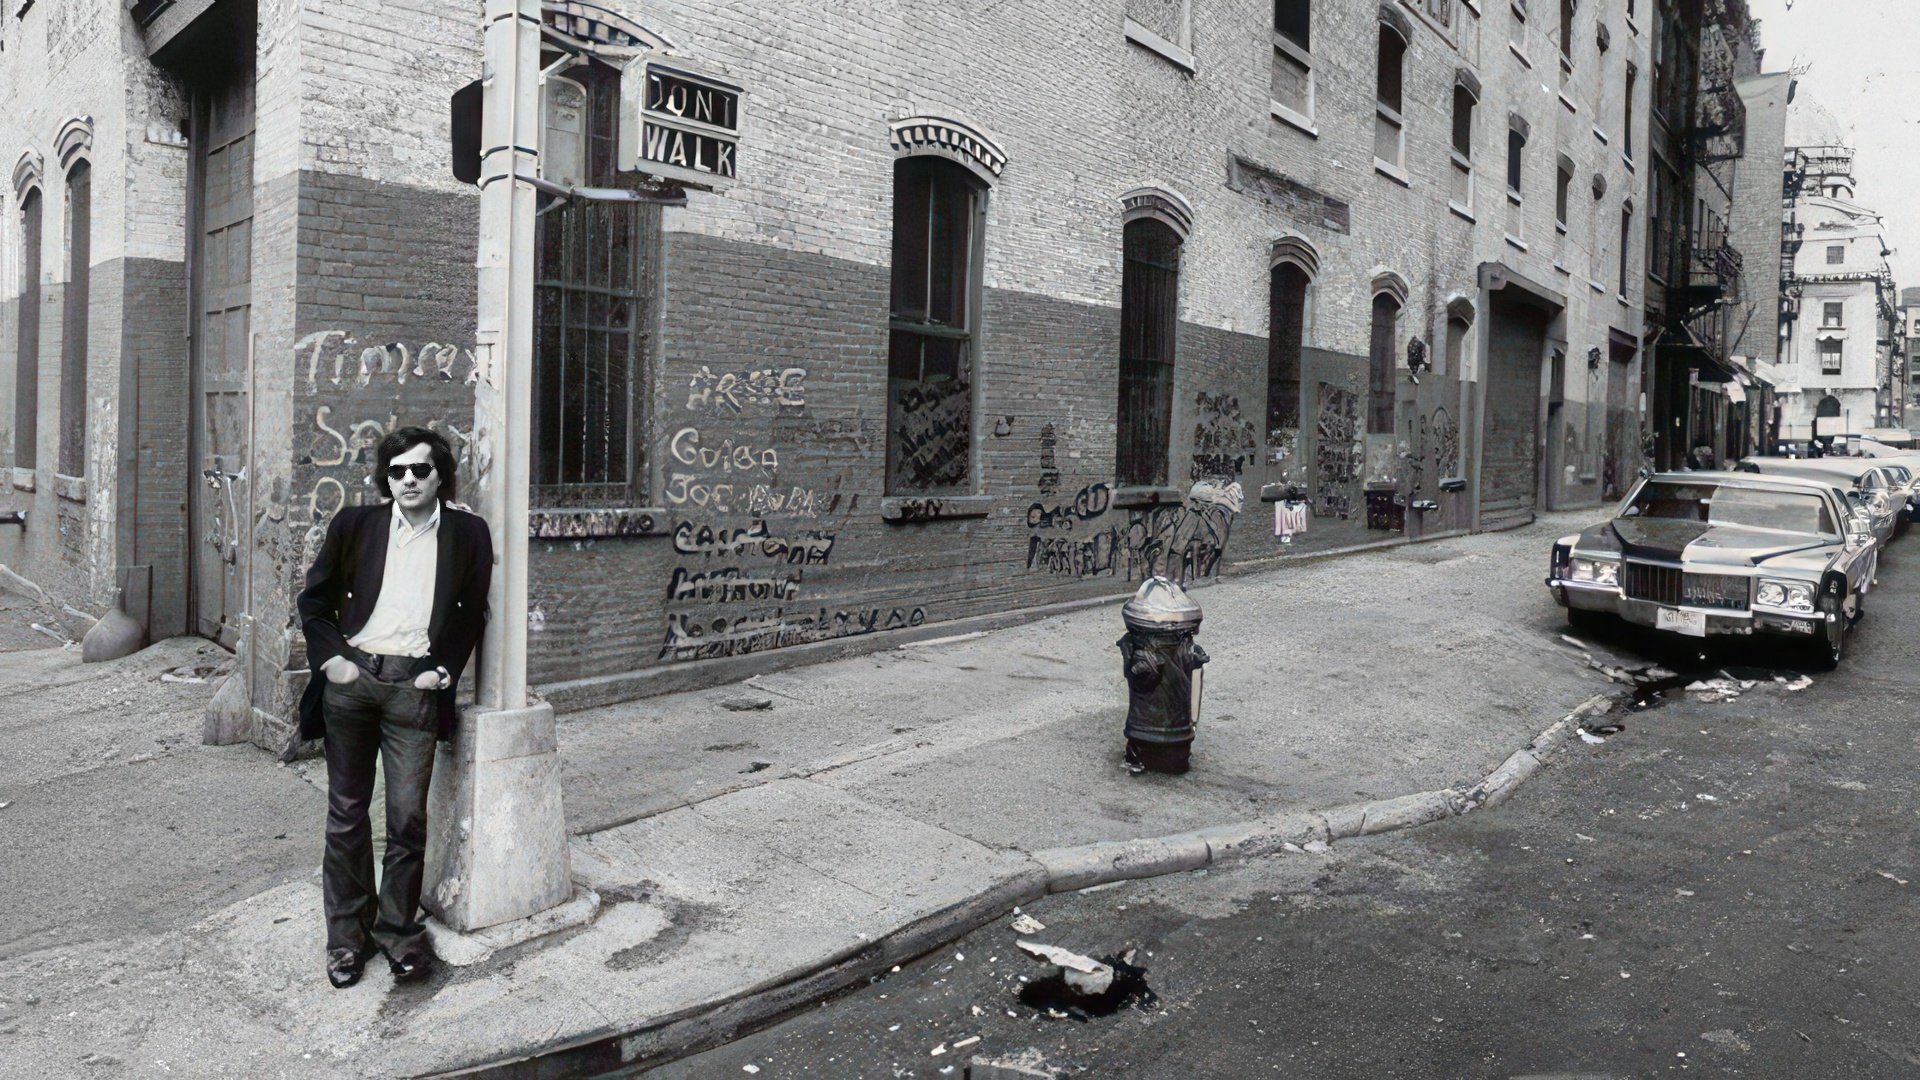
1725	886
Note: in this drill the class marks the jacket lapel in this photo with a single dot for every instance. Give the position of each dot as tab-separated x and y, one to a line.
444	576
372	570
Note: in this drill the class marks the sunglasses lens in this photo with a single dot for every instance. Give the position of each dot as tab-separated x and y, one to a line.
420	469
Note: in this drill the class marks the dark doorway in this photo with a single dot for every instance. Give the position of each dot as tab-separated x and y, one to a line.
1510	460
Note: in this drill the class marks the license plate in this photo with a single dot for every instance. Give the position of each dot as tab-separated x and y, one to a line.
1690	623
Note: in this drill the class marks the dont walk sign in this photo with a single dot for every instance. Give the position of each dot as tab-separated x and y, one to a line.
679	124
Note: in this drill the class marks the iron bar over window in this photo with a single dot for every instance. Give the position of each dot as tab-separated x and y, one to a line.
937	211
1149	315
596	278
73	343
1287	309
1380	354
26	379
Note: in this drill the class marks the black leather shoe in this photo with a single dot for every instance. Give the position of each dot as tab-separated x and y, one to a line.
410	967
344	967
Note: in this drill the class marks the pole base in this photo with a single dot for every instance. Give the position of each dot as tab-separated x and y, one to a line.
497	831
1169	758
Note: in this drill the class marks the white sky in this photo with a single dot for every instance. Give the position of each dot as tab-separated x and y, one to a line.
1862	61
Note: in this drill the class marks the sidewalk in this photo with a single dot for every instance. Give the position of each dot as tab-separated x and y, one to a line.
754	845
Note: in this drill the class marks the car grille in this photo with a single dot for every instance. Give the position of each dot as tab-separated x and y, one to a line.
1668	585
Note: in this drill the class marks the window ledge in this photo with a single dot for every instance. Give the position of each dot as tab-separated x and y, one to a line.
1597	287
1146	495
70	488
1560	266
1632	27
1519	55
1601	135
621	521
1560	227
1461	211
1568	102
1622	297
23	479
1516	242
1166	50
1628	158
935	507
1292	119
1392	172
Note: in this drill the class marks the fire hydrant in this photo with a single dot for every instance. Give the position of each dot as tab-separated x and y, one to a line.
1161	662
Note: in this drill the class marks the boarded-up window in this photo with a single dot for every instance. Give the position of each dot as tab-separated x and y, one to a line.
595	282
26	372
1380	354
1287	308
73	344
1149	314
936	218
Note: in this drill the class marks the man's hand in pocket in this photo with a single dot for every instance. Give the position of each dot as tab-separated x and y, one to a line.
437	679
340	671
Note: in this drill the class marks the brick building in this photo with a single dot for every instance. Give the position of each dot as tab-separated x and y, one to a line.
992	315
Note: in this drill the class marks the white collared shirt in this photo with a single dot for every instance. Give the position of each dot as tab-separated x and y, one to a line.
404	609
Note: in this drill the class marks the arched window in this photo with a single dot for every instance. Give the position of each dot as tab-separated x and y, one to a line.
1286	336
1381	349
1459	337
1390	125
73	341
1149	317
26	372
939	208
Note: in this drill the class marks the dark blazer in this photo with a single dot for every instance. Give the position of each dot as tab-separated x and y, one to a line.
344	582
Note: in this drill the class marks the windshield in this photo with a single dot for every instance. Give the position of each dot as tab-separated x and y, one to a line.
1715	504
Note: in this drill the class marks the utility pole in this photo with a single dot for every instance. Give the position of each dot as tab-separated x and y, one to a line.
497	851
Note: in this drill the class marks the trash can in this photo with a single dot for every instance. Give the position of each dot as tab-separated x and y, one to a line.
1162	663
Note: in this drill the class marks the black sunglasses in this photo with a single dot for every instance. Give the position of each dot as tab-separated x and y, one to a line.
420	470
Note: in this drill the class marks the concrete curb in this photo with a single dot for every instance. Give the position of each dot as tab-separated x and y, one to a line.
1054	870
1087	865
703	1027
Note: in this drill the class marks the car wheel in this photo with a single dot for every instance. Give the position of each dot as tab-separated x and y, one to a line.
1581	619
1825	654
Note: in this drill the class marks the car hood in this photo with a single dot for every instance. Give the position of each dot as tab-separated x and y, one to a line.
1700	543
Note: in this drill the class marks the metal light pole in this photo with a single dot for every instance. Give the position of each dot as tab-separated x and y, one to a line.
497	849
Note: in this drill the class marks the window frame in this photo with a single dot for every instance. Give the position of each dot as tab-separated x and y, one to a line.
1836	249
1383	384
1179	52
1833	314
1462	160
1838	353
564	287
1392	114
26	386
1301	54
1156	457
71	460
971	308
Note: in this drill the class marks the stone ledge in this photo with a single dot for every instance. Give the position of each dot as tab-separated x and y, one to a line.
605	522
936	508
70	488
23	479
1147	495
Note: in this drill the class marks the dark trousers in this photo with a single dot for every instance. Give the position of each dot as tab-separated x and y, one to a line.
398	723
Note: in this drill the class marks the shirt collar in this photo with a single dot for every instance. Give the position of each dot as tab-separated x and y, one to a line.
405	530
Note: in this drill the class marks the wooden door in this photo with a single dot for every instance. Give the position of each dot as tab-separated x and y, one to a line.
222	334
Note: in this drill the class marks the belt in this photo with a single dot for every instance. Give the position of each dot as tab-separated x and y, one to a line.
382	667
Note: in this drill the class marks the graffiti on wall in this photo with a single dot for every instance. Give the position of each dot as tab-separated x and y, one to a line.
932	435
1224	442
393	360
1090	502
689	638
1049	471
732	392
1337	451
1183	541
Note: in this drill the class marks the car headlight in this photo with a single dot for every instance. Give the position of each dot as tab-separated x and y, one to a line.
1598	571
1790	595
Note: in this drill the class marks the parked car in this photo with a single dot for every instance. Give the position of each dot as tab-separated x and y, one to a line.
1871	483
1708	553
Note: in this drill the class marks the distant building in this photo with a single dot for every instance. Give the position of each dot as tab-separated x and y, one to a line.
1835	353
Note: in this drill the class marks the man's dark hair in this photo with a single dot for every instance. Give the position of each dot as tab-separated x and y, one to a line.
405	439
